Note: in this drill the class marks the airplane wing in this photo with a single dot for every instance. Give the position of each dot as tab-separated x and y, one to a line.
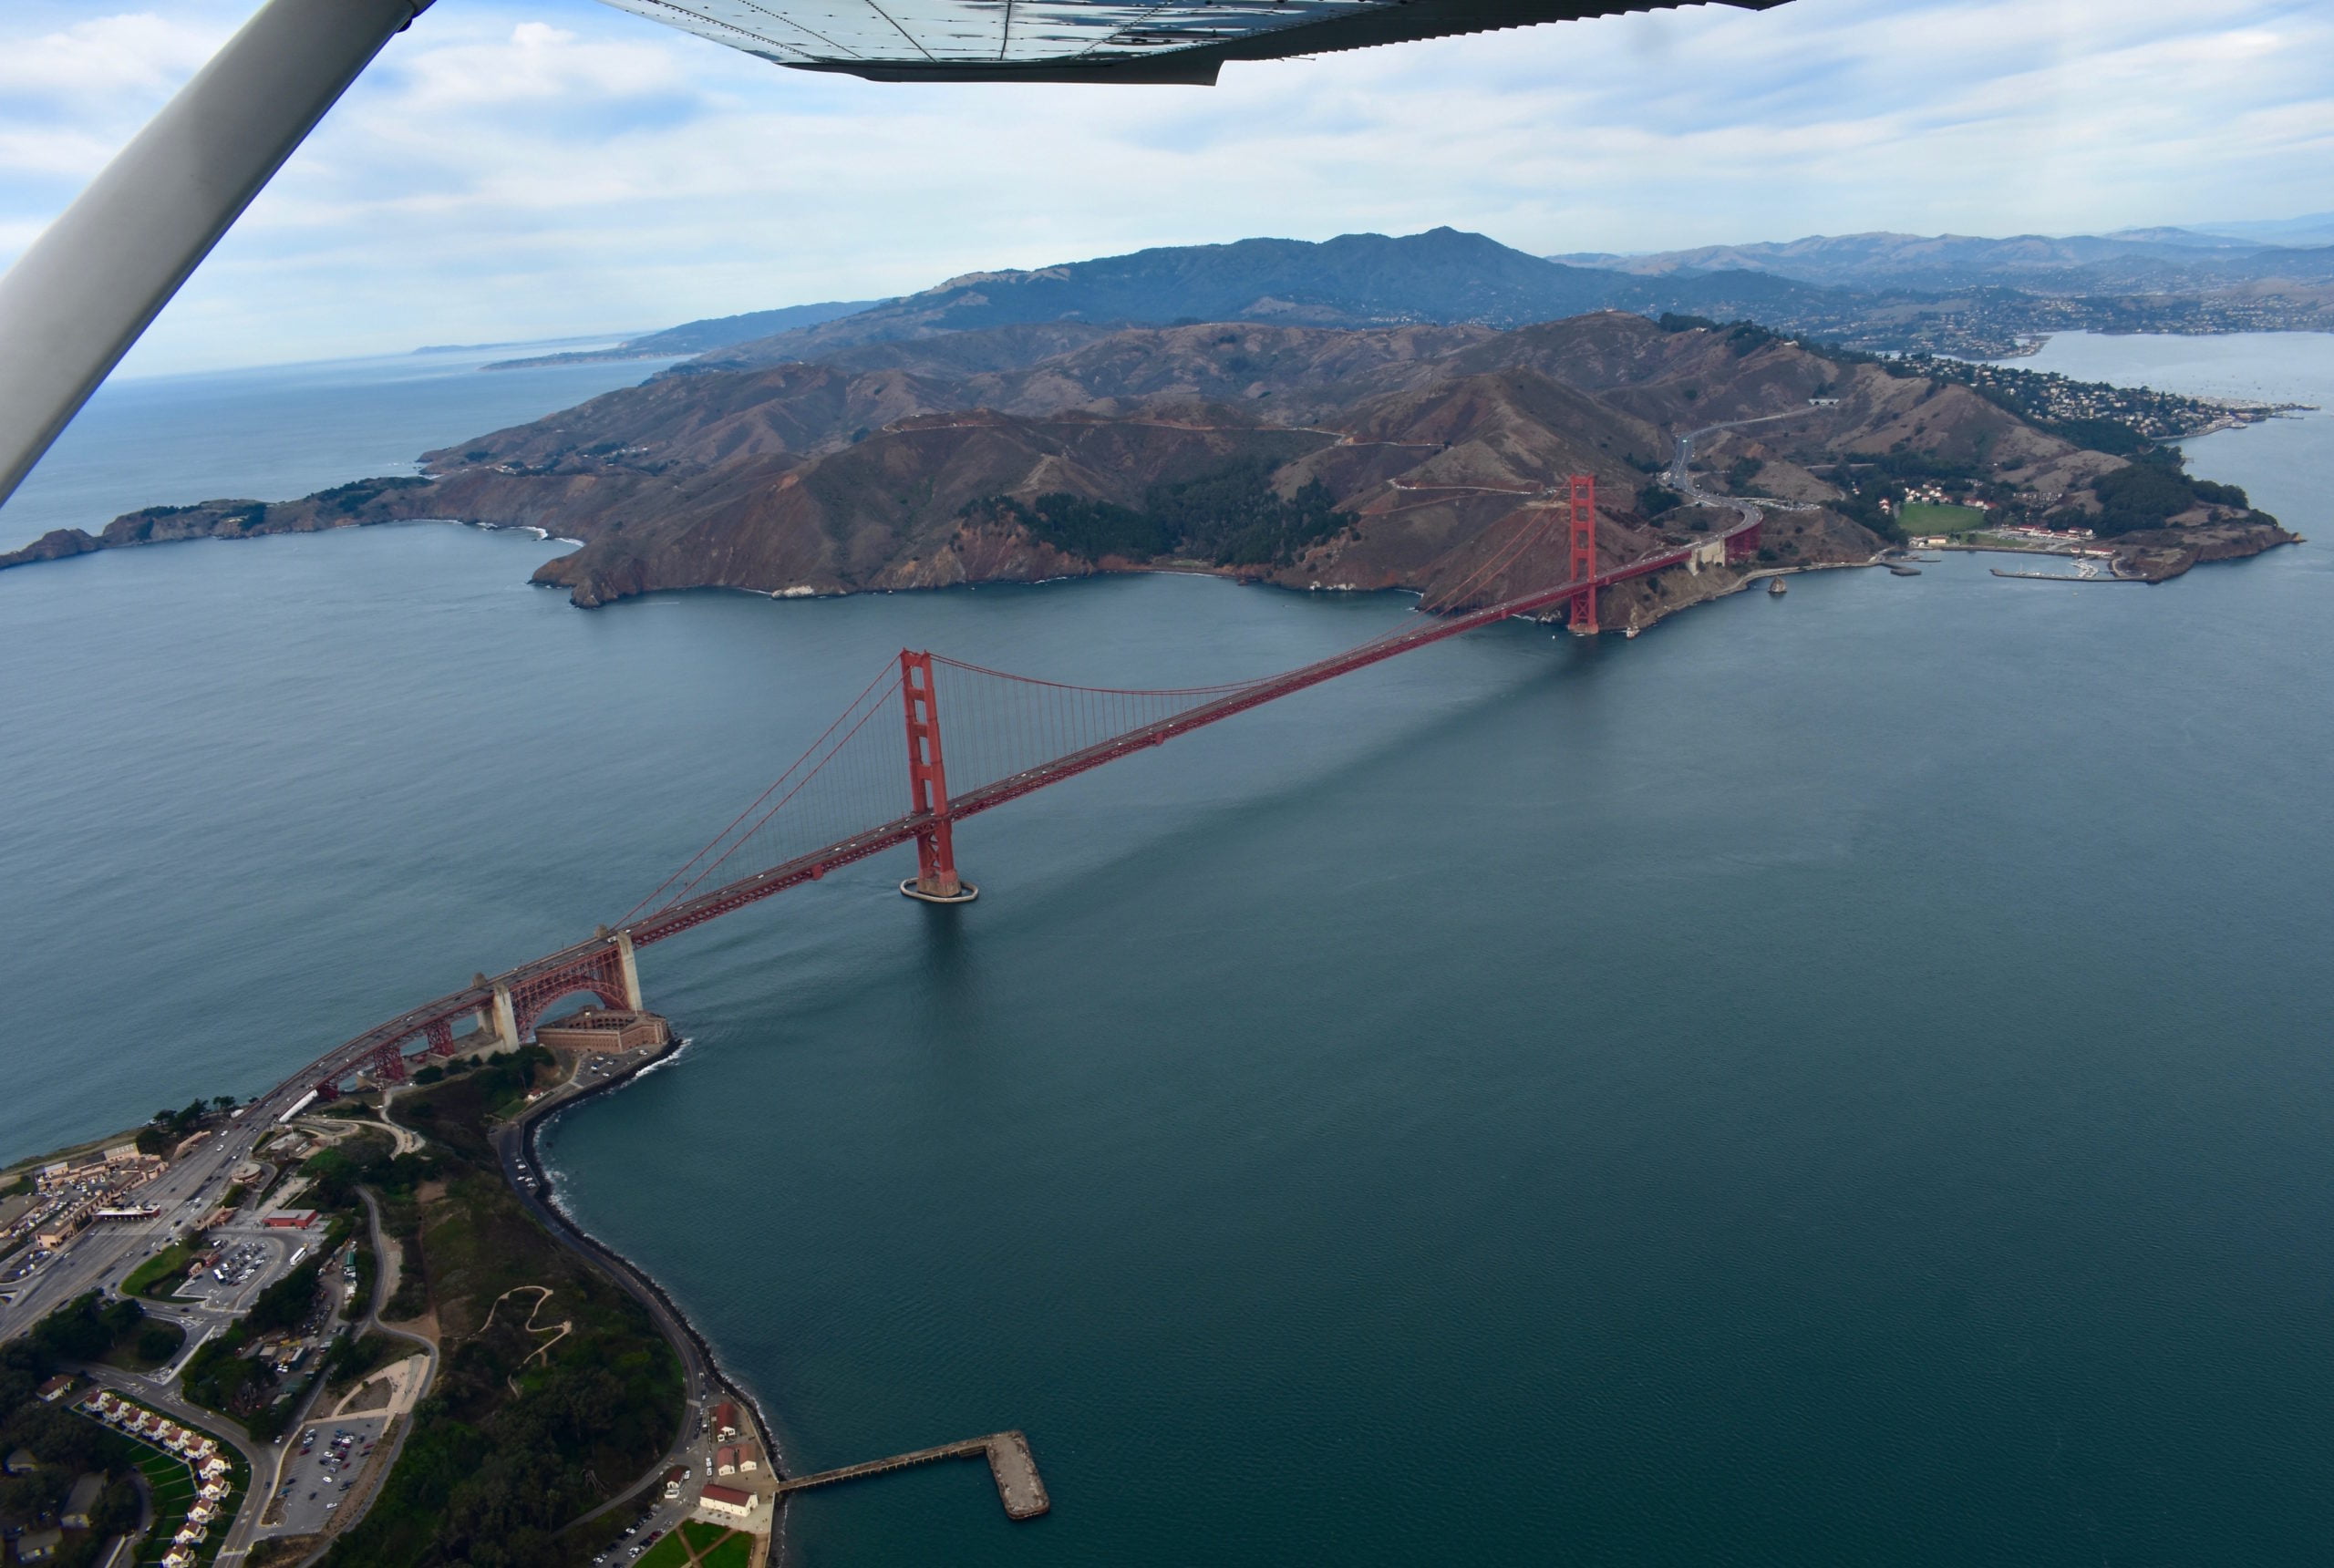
81	294
1183	41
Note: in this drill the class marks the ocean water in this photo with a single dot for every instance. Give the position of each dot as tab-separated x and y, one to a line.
2285	465
1841	1078
283	431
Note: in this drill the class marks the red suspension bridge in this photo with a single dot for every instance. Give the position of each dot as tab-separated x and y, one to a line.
1006	735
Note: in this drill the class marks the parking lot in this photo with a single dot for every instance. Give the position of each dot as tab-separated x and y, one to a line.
237	1264
322	1468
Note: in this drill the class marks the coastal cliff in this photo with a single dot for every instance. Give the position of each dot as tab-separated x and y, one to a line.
343	506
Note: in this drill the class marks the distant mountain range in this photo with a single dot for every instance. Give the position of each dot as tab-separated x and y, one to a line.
2135	260
1440	277
699	336
1951	294
2314	229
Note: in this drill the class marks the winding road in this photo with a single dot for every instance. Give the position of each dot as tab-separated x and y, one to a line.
1747	508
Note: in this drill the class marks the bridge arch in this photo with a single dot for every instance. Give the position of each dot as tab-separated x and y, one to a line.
600	973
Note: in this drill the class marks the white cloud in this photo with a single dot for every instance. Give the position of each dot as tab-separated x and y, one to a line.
507	171
535	63
104	56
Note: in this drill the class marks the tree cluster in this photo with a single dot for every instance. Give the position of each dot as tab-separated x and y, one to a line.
1657	499
87	1328
64	1445
511	1446
1233	517
2152	489
168	1128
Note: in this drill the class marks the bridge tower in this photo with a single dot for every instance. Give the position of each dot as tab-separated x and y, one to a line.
628	972
935	881
1583	616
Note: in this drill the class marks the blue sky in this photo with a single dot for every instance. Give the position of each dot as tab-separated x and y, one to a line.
519	171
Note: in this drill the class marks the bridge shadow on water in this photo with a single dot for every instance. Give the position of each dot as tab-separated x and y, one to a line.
951	941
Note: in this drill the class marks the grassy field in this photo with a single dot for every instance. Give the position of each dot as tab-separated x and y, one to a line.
703	1544
165	1269
734	1551
173	1493
1922	517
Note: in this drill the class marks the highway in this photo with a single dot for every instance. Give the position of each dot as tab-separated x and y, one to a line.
103	1255
1746	508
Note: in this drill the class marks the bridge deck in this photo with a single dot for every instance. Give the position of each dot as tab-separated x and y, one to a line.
677	918
1010	1465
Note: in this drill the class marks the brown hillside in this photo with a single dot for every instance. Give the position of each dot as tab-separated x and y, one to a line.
1385	457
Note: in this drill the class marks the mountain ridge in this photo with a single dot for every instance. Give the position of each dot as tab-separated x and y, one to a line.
1884	259
1352	459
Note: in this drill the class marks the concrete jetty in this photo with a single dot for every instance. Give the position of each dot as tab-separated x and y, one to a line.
1010	1465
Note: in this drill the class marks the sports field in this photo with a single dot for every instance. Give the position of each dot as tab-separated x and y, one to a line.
1925	517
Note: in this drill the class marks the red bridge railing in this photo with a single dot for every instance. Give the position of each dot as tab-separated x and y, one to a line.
596	966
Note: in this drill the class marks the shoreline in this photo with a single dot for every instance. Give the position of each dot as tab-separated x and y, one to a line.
66	544
516	1141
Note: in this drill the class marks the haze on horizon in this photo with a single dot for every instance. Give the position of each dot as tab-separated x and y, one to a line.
509	170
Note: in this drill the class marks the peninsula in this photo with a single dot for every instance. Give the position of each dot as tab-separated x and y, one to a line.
1308	457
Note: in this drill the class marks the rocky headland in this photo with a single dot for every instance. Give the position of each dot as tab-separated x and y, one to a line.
1311	458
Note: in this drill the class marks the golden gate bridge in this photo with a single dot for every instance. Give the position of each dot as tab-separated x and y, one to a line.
1006	735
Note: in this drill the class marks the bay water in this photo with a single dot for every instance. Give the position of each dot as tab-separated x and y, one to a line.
1842	1078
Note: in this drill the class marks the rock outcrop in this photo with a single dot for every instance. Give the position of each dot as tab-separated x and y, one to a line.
54	545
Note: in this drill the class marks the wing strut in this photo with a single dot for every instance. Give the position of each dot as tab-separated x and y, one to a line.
77	299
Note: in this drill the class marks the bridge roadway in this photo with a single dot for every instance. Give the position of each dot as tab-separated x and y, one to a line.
353	1054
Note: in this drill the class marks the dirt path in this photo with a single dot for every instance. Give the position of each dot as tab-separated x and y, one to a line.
558	1331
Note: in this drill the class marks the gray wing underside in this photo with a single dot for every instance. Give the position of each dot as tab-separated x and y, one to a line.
1089	40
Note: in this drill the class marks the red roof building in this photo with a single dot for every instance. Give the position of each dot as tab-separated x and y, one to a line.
726	1499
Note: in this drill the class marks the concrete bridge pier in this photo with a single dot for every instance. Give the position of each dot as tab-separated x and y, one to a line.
629	966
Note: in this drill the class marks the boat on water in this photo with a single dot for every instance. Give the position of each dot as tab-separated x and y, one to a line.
1897	569
1775	589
